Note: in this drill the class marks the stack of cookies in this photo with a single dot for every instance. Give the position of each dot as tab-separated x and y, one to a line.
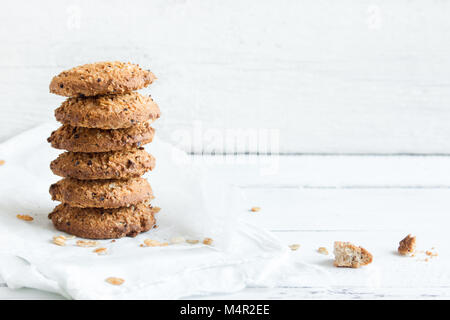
105	123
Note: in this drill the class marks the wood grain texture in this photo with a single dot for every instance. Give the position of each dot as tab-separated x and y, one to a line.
328	77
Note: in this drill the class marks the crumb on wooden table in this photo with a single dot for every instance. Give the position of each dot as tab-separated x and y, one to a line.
350	256
407	245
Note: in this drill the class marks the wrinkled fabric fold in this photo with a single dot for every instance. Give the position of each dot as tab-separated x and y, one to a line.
194	205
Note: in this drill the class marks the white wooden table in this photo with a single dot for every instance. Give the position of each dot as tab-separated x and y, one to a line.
368	76
373	201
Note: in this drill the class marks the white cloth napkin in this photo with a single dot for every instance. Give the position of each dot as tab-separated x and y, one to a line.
194	205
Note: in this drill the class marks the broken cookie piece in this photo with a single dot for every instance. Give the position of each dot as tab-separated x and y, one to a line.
407	245
350	256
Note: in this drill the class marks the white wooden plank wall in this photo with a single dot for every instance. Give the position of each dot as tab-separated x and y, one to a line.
326	76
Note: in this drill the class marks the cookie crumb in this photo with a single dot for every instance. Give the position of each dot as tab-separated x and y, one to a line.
115	281
86	243
2	162
155	243
64	237
100	251
177	240
407	245
322	250
350	256
24	217
59	240
151	243
431	254
192	241
156	209
208	241
255	209
294	246
113	240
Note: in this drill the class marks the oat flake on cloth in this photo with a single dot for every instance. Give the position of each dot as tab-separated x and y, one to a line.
194	205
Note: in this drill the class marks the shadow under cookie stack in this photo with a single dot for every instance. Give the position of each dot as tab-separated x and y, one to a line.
105	123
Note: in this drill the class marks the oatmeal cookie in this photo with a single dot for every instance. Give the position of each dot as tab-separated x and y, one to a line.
99	223
79	139
126	164
101	193
108	111
101	78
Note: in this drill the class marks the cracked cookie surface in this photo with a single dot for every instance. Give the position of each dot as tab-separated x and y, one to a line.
100	223
126	164
108	111
101	193
101	78
79	139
